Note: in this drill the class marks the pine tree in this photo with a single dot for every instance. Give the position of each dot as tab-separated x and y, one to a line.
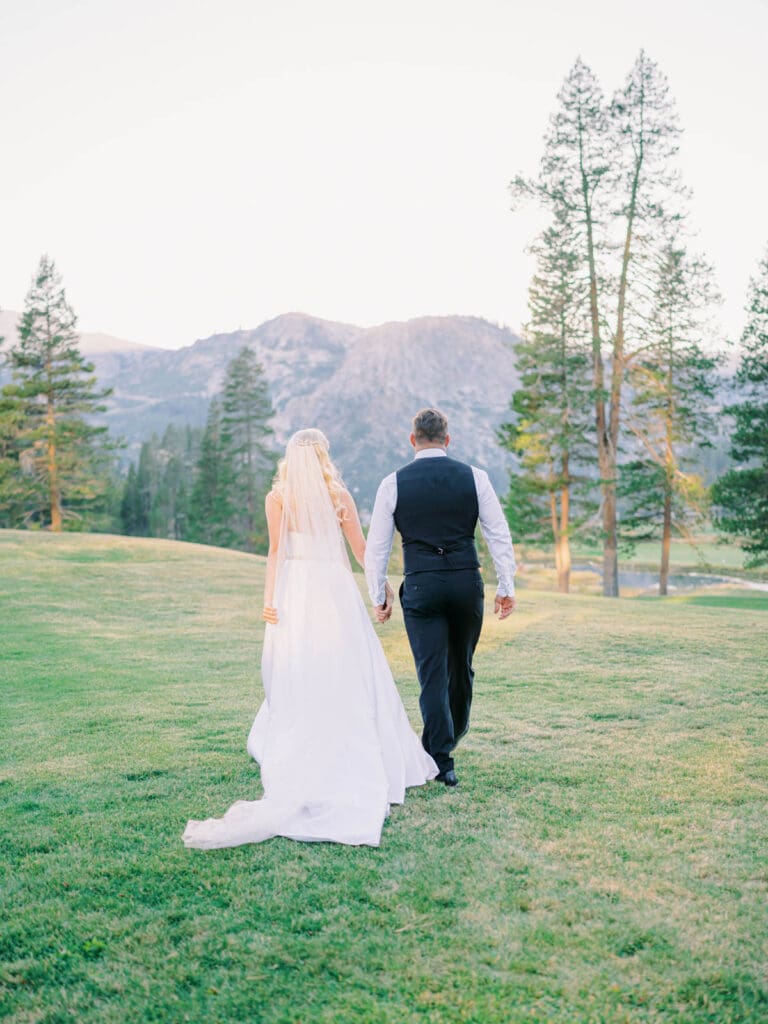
644	125
189	454
547	501
671	416
211	512
16	486
742	493
65	454
611	167
209	489
146	485
12	482
156	490
129	505
247	436
575	177
169	510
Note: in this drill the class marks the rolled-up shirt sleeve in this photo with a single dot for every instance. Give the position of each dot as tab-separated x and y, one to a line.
495	529
380	535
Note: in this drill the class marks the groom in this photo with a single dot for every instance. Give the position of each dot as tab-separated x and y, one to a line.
435	502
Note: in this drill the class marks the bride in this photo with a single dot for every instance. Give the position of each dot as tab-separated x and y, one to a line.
332	737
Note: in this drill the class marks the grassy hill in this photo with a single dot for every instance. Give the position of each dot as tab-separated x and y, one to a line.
601	860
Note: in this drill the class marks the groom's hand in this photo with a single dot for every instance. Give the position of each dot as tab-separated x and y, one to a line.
503	606
383	612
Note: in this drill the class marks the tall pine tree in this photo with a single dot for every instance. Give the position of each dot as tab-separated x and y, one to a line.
742	493
129	504
14	485
246	436
671	415
612	166
61	449
548	499
169	511
211	510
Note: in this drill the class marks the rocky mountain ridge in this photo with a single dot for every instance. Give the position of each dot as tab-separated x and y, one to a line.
360	385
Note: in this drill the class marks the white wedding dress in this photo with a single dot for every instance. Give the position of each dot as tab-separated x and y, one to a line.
332	737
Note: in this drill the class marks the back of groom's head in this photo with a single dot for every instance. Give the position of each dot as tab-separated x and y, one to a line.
430	425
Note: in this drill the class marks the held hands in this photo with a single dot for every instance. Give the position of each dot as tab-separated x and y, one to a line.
384	611
270	615
503	606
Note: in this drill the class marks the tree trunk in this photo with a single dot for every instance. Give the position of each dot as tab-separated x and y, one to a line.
666	538
54	490
606	459
666	532
610	544
606	454
564	567
555	531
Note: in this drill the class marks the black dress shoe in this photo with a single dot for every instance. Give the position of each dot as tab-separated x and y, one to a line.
449	778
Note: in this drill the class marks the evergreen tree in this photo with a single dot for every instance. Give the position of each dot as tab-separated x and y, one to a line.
129	505
549	434
169	510
612	167
146	485
210	507
574	182
16	486
189	454
155	496
646	130
247	435
742	493
64	453
673	384
13	492
209	488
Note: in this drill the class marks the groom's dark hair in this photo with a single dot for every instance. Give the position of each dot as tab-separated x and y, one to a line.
430	425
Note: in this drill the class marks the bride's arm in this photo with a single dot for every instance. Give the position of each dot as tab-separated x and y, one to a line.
353	531
273	507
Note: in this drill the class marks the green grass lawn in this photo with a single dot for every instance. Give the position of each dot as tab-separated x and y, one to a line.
603	859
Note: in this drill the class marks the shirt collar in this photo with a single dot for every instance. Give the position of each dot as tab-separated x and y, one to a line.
431	453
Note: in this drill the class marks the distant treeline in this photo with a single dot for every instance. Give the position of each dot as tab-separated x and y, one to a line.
209	485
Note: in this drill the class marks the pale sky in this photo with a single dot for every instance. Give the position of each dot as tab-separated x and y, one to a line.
197	167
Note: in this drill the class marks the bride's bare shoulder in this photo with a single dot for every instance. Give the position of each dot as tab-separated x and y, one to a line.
273	499
348	502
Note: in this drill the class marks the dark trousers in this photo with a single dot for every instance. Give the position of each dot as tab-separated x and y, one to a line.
443	617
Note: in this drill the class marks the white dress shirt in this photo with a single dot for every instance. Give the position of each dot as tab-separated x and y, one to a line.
492	520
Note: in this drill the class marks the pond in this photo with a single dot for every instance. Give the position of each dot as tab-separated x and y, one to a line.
638	579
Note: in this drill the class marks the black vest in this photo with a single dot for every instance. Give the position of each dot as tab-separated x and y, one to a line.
436	515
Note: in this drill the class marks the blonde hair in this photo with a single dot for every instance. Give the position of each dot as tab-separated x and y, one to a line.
311	437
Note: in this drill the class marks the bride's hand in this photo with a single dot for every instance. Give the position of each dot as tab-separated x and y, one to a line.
384	611
270	615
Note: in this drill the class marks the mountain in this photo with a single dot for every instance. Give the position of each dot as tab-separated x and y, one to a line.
91	343
360	385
